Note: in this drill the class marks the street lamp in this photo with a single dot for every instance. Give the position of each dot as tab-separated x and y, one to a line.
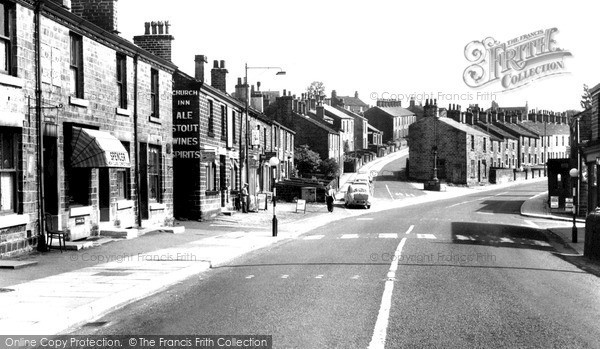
574	173
247	122
273	163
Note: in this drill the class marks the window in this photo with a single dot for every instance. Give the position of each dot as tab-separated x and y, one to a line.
563	140
154	173
124	180
484	144
211	177
6	41
472	142
211	119
154	105
8	170
233	126
223	123
76	66
122	80
473	169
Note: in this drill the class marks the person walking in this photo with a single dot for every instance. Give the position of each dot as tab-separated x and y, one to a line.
245	198
329	198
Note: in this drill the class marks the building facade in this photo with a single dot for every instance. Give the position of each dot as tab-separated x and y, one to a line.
460	150
87	125
393	120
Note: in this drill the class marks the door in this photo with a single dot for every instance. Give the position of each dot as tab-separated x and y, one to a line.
143	186
104	193
223	179
50	175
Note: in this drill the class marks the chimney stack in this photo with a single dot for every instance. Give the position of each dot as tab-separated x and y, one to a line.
200	60
155	43
102	13
430	108
218	76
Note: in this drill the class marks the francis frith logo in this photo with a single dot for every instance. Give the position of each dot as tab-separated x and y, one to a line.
514	63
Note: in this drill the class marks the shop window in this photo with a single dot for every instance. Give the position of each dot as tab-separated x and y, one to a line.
211	177
124	179
6	37
154	173
122	80
8	170
76	63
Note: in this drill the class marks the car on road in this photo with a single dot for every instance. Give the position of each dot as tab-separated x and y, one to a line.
358	194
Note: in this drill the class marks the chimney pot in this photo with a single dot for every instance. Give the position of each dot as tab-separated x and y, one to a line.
160	27
222	64
167	25
153	24
147	28
215	64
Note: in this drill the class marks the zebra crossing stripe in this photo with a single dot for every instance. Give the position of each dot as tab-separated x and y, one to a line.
426	236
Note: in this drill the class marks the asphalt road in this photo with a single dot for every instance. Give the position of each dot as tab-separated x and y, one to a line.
463	272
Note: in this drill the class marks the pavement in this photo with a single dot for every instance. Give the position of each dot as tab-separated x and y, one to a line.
61	291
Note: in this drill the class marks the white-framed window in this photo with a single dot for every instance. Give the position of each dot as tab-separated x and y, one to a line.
154	173
76	65
154	94
8	170
122	80
6	37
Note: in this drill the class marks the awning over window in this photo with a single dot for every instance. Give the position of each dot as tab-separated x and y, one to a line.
93	148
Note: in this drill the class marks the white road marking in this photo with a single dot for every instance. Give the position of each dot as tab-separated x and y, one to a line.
349	236
400	194
285	276
388	236
364	219
462	237
507	240
319	277
410	229
314	237
249	276
468	202
389	192
380	331
425	236
355	277
531	224
484	212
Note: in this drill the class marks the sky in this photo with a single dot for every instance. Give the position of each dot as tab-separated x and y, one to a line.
378	48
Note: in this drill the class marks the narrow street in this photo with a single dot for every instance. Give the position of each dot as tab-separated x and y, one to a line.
471	272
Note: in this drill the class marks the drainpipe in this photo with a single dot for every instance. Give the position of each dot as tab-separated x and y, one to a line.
40	126
135	140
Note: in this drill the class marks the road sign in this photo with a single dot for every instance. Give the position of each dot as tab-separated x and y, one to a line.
568	204
554	202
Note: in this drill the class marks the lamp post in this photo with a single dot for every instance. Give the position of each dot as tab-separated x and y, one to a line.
574	173
273	163
247	121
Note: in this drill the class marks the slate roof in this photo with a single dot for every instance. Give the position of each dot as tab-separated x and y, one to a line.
497	130
336	112
317	122
460	126
550	129
371	128
353	101
396	111
516	129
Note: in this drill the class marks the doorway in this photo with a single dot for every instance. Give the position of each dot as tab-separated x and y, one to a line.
104	193
50	175
223	178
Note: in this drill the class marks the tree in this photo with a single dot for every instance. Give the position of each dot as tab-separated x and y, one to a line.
586	98
316	88
306	160
330	168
